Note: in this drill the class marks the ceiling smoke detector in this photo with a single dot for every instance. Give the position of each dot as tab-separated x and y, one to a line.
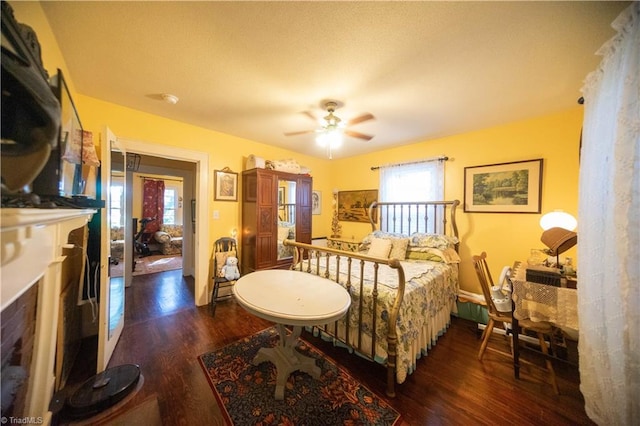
170	99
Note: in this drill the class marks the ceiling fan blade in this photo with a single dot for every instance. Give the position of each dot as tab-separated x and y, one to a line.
310	115
301	132
358	135
360	119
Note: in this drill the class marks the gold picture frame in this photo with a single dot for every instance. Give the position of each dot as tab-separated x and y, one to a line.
353	206
226	185
514	187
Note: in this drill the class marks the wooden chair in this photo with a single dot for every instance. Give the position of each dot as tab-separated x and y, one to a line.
222	248
495	316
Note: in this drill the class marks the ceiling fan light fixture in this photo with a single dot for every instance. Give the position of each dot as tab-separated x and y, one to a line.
332	129
329	138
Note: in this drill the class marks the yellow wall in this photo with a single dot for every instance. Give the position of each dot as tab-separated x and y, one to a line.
224	150
31	14
505	237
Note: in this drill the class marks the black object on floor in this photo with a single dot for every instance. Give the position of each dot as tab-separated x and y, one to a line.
103	390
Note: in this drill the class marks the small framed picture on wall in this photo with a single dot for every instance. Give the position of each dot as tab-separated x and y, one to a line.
226	185
316	202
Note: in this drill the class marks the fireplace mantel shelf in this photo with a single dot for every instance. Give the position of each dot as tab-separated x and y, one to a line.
31	240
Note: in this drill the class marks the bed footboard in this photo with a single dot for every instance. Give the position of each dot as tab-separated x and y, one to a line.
365	297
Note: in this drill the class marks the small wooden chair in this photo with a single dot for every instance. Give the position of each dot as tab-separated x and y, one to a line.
222	248
495	316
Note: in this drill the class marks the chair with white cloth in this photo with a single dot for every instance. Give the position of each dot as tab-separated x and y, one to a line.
504	316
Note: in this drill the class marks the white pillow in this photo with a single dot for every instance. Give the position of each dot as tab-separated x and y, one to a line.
283	233
380	248
162	237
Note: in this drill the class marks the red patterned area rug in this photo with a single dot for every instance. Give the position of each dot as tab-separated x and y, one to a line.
246	392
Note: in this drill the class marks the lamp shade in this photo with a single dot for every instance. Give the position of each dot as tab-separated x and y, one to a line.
559	240
558	219
330	138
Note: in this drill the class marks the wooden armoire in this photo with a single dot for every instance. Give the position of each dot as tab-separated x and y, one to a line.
275	205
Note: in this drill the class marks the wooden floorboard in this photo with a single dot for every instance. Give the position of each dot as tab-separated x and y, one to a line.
165	333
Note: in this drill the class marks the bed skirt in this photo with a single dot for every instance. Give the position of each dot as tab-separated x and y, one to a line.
433	328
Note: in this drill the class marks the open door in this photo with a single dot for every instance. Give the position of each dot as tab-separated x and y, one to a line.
111	290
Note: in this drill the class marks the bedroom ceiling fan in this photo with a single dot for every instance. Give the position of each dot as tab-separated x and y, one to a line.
332	128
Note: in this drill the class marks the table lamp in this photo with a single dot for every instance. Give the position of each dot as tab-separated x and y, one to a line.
558	233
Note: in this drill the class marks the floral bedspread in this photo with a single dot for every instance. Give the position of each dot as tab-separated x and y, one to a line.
430	294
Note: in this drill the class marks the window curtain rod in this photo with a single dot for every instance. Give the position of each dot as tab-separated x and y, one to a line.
426	160
154	178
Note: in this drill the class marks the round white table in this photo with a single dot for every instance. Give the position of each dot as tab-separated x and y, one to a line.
291	298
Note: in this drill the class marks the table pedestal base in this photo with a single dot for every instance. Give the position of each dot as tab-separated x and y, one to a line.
287	359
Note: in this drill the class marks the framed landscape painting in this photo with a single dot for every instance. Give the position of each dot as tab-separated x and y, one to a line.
504	187
353	206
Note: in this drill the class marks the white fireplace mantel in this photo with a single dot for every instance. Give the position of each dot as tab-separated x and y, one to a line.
32	250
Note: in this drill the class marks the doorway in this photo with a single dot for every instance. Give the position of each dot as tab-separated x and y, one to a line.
196	181
159	217
195	253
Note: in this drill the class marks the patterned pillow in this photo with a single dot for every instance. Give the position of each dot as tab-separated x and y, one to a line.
448	255
439	241
424	255
174	230
399	248
117	233
162	237
366	241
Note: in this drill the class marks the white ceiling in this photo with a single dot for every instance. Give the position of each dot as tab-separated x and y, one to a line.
423	69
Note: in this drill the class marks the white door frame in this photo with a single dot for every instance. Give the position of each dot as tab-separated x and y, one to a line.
201	237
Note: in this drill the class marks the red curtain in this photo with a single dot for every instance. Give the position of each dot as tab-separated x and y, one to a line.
153	204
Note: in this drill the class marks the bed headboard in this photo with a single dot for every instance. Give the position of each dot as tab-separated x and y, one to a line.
415	216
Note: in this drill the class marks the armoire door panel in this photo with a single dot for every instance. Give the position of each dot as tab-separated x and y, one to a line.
266	255
250	188
304	192
260	215
266	220
267	185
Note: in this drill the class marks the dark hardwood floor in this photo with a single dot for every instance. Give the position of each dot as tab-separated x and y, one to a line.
165	332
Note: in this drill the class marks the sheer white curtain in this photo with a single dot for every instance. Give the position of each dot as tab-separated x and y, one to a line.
609	237
420	181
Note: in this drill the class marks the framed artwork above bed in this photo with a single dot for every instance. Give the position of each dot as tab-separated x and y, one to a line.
504	187
353	206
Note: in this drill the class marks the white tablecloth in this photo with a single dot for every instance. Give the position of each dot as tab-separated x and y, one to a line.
540	302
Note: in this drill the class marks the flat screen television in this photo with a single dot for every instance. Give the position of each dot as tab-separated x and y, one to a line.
62	174
30	111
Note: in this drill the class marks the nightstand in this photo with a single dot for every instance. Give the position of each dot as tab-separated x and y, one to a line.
344	245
